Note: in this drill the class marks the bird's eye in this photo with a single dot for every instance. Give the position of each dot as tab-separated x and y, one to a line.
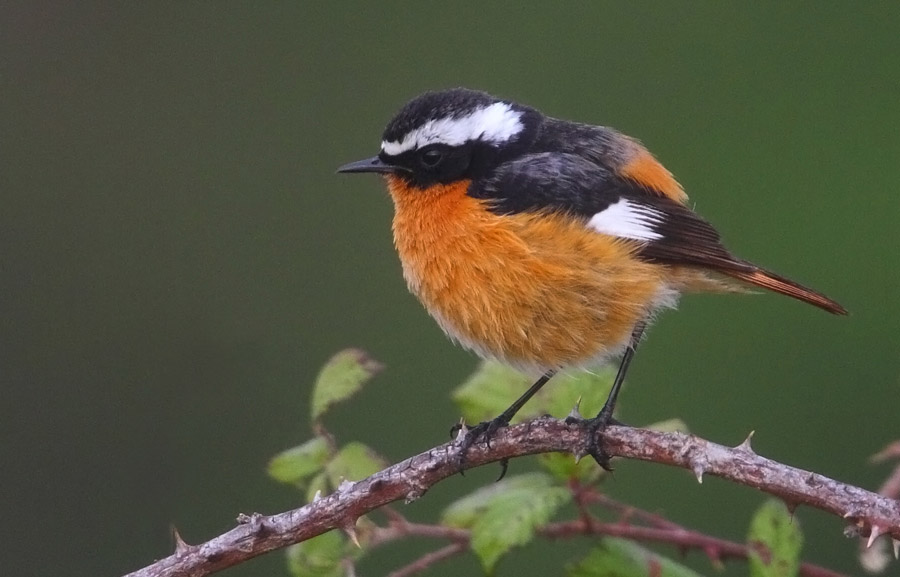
431	157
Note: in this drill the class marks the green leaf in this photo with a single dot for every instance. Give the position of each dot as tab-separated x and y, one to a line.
511	521
318	557
775	541
563	467
674	425
621	558
493	387
353	462
463	512
295	465
506	514
342	377
489	391
561	394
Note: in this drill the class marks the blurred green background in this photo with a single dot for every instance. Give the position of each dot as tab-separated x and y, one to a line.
178	258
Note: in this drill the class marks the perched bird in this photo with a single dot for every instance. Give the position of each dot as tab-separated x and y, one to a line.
544	243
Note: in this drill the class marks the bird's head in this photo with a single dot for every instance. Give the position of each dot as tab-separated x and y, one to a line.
442	137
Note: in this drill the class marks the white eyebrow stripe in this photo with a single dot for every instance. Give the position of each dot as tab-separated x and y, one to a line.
495	123
627	219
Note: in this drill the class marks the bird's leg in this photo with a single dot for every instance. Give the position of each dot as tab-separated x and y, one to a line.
605	416
486	429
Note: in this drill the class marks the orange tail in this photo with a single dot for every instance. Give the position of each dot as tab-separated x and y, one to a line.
769	280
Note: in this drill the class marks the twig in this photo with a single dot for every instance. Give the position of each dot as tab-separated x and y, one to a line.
891	486
591	495
665	532
399	528
876	559
429	559
410	479
714	548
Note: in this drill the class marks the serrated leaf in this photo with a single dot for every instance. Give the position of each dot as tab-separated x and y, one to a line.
511	521
506	514
489	391
353	462
296	464
621	558
318	557
778	535
342	377
463	512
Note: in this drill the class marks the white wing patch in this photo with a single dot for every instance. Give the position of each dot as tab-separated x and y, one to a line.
627	219
495	123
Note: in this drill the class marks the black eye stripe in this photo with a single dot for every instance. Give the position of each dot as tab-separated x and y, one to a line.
432	156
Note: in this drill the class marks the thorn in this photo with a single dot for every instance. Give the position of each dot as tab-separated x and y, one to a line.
791	507
463	431
180	546
698	469
847	515
317	496
896	548
345	485
873	534
745	446
575	413
579	454
350	530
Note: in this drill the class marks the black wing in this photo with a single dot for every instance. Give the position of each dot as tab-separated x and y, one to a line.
669	232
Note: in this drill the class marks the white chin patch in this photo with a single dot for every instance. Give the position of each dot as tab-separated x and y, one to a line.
627	219
495	123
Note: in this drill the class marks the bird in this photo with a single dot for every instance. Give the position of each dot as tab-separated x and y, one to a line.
545	244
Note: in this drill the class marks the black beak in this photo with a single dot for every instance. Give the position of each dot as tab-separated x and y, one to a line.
373	164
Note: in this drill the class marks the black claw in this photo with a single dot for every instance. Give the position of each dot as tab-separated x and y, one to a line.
594	427
601	457
504	465
484	430
595	447
455	429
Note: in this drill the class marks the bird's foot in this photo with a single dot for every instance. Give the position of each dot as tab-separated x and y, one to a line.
484	431
595	426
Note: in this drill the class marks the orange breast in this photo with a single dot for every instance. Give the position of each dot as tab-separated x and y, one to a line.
535	291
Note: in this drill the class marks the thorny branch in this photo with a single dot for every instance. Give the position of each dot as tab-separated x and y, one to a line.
870	515
660	530
876	559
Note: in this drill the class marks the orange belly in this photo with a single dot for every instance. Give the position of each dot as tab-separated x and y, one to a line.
538	292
